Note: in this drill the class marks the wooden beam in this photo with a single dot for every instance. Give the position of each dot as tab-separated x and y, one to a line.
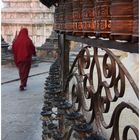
110	44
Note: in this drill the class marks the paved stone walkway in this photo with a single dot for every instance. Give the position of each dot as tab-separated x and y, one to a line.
21	110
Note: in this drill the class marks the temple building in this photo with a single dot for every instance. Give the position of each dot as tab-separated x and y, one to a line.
31	14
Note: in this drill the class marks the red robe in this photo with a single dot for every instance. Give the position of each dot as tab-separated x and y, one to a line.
23	49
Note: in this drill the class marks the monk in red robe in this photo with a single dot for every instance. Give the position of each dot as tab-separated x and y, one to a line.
23	50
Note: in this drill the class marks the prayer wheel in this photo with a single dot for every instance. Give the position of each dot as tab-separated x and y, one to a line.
135	20
88	17
56	19
77	16
68	16
59	21
102	18
121	19
61	15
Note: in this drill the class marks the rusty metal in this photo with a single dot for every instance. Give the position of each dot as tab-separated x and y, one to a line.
85	94
94	99
92	85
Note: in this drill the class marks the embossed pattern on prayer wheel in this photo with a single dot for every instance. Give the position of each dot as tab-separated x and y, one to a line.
121	19
77	15
88	17
135	19
102	18
68	16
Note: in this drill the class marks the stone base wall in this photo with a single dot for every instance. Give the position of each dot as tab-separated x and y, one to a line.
44	53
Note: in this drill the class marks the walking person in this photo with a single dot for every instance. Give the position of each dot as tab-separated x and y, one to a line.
23	50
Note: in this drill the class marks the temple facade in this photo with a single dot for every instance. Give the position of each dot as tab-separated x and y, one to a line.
31	14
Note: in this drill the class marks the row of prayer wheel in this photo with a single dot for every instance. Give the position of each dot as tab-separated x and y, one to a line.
116	19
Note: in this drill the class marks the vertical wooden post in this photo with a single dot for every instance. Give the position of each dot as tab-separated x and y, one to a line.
64	45
64	64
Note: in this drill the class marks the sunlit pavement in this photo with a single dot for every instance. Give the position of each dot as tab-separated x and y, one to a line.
20	110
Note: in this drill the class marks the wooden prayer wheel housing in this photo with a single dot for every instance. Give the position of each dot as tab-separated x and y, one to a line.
113	19
121	19
102	18
68	16
59	17
135	20
62	15
77	16
56	19
88	15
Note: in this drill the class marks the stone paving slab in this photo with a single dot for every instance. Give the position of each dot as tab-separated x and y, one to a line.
20	114
20	111
10	72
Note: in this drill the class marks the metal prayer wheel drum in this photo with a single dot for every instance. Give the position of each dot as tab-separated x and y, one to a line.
77	16
56	19
102	18
68	16
135	20
121	19
88	17
61	15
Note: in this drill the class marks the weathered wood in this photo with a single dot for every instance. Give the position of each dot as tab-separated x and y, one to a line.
110	44
64	58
